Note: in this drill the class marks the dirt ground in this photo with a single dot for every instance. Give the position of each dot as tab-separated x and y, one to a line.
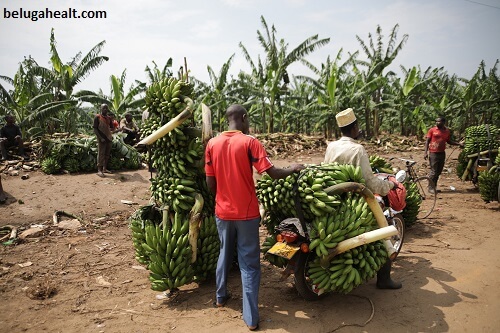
87	280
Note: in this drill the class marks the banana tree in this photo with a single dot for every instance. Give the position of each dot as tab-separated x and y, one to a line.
378	60
30	101
218	92
476	97
118	101
62	78
277	60
419	88
332	89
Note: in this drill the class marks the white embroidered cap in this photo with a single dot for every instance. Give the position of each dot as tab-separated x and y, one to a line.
345	117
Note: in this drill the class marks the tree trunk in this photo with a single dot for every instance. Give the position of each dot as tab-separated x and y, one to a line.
368	128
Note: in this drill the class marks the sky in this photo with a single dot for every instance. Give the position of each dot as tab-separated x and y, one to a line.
454	34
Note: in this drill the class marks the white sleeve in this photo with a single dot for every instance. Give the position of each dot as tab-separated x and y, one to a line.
373	183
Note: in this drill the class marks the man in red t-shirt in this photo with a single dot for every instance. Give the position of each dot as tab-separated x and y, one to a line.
437	137
229	162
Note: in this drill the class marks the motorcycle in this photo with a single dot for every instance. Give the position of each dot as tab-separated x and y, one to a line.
293	238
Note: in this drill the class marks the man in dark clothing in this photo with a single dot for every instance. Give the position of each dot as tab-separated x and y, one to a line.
10	135
102	129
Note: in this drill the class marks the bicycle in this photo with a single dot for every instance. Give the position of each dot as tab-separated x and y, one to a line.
423	183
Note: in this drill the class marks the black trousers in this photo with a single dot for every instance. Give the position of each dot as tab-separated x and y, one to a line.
436	161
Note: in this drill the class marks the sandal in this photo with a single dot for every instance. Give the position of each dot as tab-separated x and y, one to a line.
107	171
253	328
224	301
100	174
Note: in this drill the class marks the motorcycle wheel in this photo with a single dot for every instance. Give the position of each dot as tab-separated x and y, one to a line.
303	283
397	240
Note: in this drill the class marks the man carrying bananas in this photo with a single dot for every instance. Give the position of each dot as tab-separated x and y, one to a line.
229	159
347	151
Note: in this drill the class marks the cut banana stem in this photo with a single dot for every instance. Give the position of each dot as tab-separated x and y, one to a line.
168	127
195	218
164	211
367	237
206	116
483	153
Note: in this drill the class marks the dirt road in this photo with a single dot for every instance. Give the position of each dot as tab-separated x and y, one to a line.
449	267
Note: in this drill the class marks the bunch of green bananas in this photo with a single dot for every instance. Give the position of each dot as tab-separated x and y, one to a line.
352	218
71	164
279	195
349	269
413	201
478	138
165	97
462	164
178	248
80	153
380	164
133	162
331	218
115	163
208	249
488	184
50	165
145	215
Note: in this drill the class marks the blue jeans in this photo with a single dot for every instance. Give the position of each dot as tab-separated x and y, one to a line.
245	235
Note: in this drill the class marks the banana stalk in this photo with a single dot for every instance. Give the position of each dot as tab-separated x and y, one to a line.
372	203
207	123
168	127
367	237
195	219
165	219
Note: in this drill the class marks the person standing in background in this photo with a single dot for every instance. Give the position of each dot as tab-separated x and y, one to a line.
102	129
435	143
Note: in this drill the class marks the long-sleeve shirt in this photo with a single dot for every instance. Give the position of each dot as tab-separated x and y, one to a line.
10	132
347	151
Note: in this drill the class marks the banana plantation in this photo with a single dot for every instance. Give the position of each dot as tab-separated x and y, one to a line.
46	100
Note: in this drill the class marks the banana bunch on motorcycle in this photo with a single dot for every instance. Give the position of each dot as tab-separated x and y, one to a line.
330	218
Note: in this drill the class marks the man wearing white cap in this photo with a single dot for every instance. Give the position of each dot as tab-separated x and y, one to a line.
347	151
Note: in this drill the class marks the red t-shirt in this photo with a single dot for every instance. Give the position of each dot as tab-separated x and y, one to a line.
439	138
230	157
